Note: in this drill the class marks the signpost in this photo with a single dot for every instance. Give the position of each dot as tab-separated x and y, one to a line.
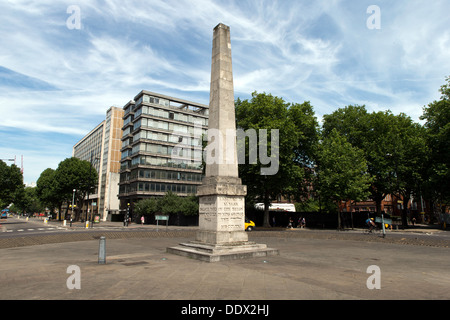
383	222
162	218
386	221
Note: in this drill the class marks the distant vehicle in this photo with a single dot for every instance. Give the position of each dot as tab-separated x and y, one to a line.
4	215
249	225
283	207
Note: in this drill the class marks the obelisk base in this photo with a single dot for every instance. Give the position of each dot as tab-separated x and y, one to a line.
216	253
221	234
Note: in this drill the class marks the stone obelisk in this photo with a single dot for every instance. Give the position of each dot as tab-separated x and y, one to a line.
221	196
221	233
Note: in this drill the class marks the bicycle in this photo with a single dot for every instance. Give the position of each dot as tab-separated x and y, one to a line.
374	230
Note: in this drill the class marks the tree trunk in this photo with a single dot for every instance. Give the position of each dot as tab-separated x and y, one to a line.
378	205
339	219
266	222
59	209
405	211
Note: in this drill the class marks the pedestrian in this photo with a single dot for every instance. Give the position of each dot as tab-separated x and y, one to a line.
142	220
303	222
273	221
290	223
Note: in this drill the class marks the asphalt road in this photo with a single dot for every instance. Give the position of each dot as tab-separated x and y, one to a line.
13	226
55	231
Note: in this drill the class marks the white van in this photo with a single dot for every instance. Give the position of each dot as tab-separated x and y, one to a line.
285	207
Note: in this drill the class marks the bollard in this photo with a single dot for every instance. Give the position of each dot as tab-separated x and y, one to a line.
102	251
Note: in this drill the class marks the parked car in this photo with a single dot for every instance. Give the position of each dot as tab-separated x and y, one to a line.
249	225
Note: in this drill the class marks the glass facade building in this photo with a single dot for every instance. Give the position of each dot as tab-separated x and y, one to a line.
161	147
101	147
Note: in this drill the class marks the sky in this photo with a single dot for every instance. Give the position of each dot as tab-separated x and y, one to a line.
64	63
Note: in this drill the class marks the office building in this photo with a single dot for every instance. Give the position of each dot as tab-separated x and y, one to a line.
161	147
101	147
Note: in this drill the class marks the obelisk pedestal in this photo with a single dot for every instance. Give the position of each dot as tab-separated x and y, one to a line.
221	234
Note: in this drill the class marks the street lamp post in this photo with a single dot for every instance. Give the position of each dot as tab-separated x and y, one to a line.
89	187
73	204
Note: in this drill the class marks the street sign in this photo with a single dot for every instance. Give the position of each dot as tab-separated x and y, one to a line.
386	221
158	218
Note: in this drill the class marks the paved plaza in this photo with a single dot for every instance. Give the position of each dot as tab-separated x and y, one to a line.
310	265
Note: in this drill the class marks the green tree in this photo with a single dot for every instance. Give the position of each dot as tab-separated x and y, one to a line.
29	201
437	126
266	112
343	171
169	204
46	190
147	207
409	157
11	184
393	147
189	205
73	173
305	152
373	134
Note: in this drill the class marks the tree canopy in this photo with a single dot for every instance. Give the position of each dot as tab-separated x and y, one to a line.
294	126
11	184
342	170
437	127
393	146
169	204
56	186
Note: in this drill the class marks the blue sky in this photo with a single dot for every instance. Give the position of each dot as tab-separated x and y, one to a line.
56	83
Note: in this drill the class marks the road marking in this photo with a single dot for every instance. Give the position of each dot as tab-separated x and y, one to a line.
39	229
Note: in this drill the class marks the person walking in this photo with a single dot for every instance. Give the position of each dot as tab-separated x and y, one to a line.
290	223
